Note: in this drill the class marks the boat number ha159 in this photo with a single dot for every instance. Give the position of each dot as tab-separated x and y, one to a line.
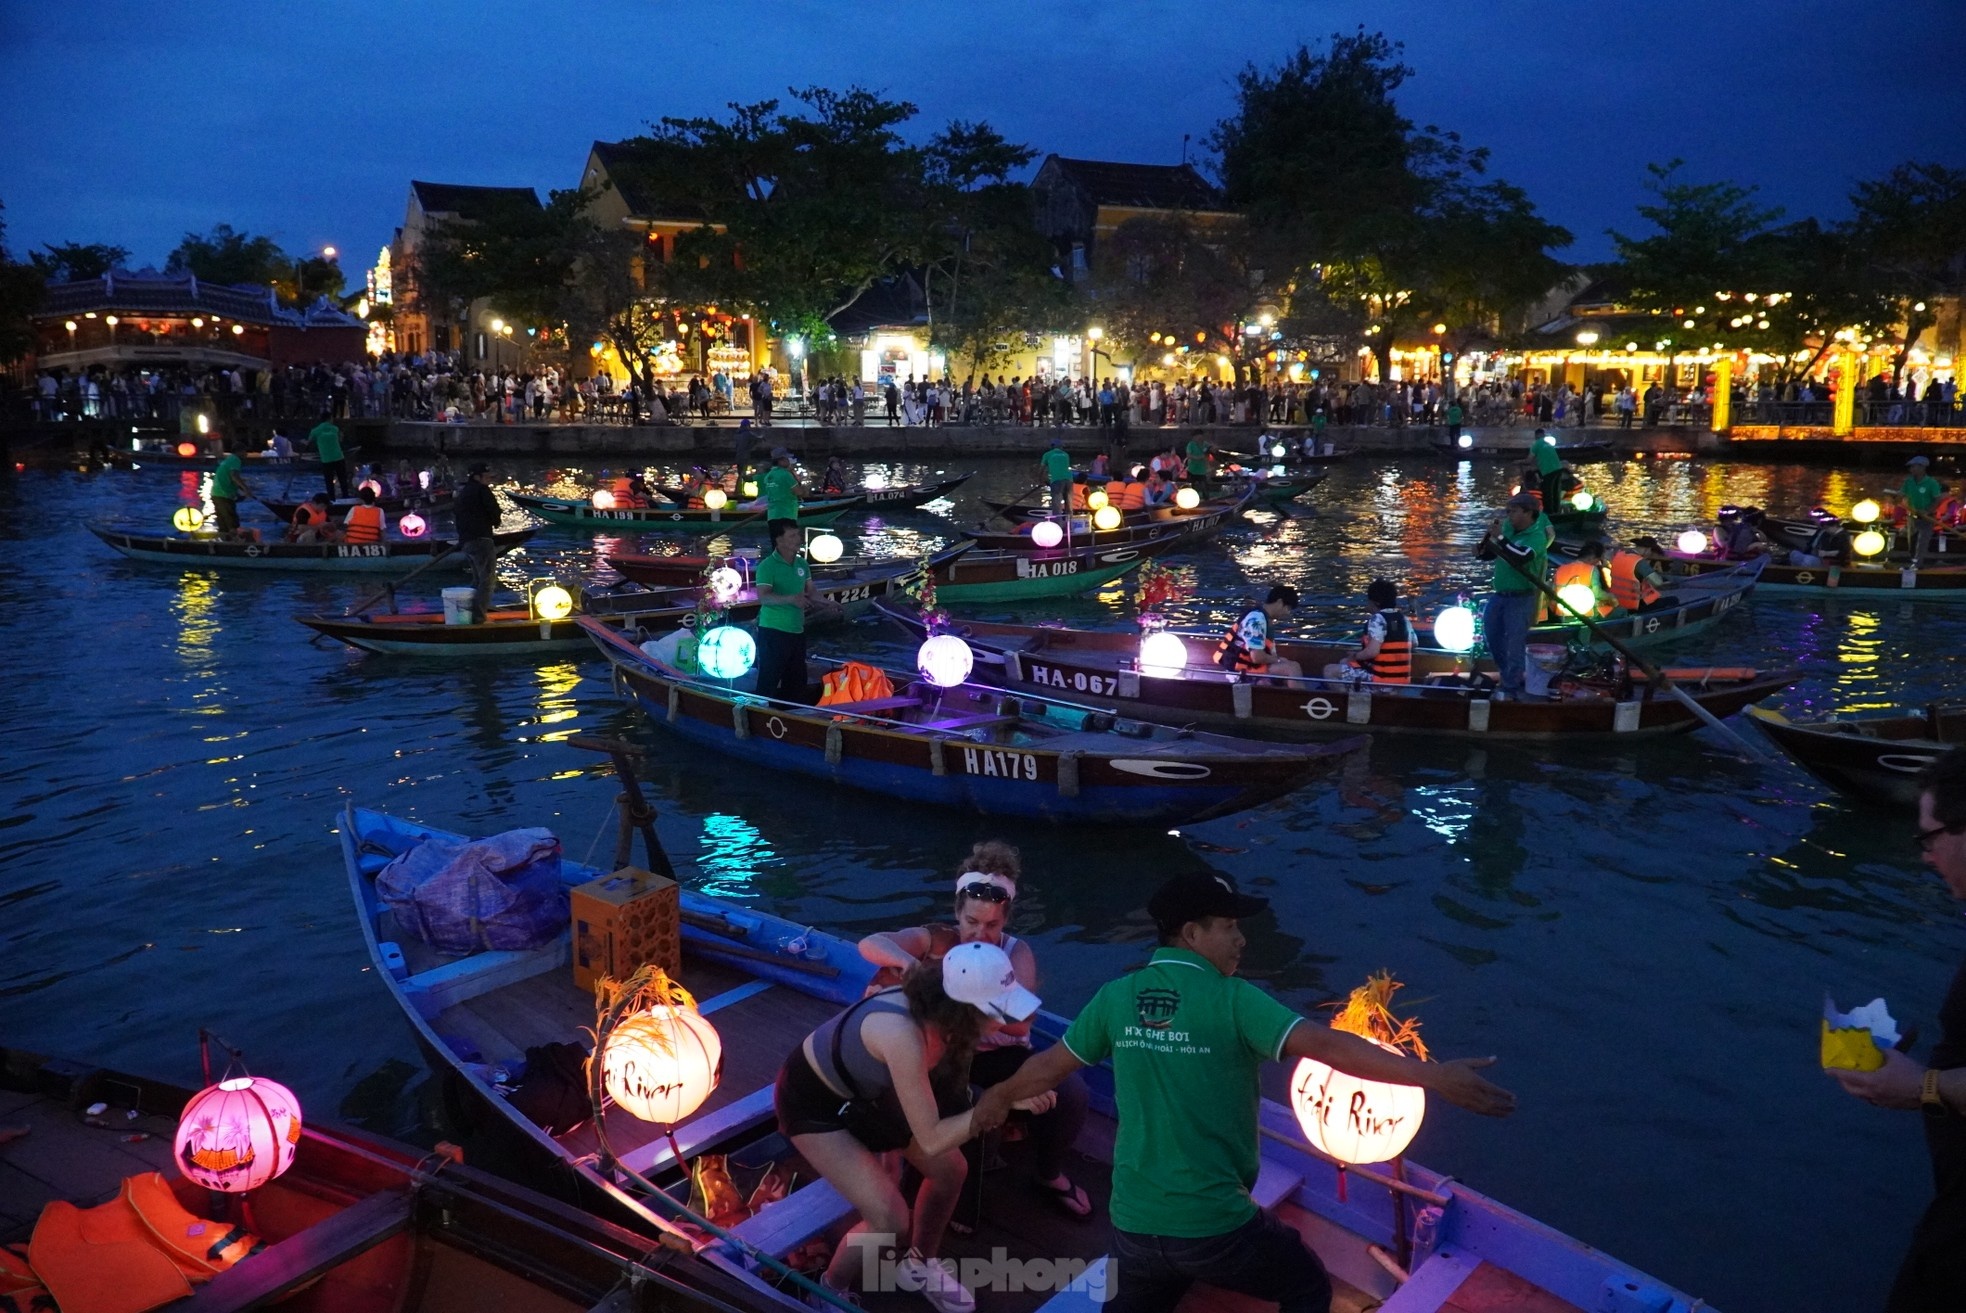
1029	569
1003	765
1078	680
360	549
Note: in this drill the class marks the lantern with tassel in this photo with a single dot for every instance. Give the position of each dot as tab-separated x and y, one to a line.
1349	1118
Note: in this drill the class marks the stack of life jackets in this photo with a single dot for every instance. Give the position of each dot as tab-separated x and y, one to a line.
140	1250
856	681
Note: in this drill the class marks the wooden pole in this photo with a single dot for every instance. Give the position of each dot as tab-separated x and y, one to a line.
392	585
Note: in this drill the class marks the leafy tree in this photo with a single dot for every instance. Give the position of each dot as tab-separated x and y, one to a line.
231	258
1909	229
21	290
75	262
1166	287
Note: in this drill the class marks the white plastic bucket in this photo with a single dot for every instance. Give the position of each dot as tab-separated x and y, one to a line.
457	605
1542	661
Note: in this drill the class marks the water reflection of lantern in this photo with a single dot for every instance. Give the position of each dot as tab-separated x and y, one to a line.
238	1134
662	1063
603	500
726	652
725	583
552	603
1454	629
412	525
1578	597
1581	500
716	499
187	449
1347	1117
1097	498
1047	533
1107	517
1866	511
1163	655
186	519
1187	499
1868	543
1693	542
945	660
825	548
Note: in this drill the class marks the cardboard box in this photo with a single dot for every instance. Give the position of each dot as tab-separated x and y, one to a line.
623	921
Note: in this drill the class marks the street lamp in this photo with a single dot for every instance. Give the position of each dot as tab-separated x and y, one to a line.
71	337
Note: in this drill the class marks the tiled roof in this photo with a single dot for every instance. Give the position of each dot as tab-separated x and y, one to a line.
1139	186
160	295
636	183
470	202
890	303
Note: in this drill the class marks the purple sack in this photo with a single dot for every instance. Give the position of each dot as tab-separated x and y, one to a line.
503	892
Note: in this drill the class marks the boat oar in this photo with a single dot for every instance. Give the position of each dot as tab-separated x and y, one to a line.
390	587
1652	672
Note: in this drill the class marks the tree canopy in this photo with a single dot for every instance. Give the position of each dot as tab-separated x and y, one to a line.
74	262
21	290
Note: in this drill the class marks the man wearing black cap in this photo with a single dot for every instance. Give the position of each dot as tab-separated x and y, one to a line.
1187	1040
475	511
1519	544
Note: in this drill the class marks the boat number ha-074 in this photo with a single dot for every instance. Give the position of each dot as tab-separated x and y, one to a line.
360	549
1001	764
1078	680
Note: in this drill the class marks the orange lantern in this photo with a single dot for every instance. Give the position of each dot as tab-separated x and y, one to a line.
1349	1118
664	1061
238	1134
187	449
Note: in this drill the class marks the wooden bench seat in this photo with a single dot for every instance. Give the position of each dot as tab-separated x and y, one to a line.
872	706
972	720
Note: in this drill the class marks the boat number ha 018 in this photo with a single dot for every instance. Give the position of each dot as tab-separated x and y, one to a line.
1003	765
1029	569
1078	681
361	549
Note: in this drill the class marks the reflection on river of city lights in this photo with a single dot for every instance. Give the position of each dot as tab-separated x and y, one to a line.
732	855
194	608
1444	809
555	699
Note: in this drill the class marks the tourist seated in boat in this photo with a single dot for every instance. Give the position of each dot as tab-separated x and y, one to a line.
279	447
1127	494
833	482
1250	648
1385	649
1101	466
634	492
365	521
987	884
312	521
1158	491
1740	533
866	1083
1590	570
695	486
1637	581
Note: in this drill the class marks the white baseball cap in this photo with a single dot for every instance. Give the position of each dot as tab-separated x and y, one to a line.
980	975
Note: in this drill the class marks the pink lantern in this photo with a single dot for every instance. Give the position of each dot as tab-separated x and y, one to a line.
1046	533
238	1134
412	525
945	660
372	486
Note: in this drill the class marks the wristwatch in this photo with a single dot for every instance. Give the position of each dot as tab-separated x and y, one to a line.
1928	1092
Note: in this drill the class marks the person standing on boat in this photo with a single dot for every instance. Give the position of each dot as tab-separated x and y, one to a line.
228	486
1196	464
986	895
1932	1278
784	583
781	487
474	510
1248	648
1921	493
326	437
1057	466
866	1084
1385	650
1187	1040
1519	544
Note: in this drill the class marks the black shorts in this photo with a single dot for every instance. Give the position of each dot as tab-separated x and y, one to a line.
807	1106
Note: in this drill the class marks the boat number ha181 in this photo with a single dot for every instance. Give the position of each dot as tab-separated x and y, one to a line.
360	549
1003	765
1078	680
1029	569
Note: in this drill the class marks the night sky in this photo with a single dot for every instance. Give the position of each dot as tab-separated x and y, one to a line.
133	122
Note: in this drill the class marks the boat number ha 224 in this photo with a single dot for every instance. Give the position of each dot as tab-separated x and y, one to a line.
1004	765
1078	680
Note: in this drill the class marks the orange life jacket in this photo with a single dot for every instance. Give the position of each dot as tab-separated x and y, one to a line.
364	524
1394	664
1580	572
1132	495
1631	591
1232	654
1078	496
306	516
856	681
141	1249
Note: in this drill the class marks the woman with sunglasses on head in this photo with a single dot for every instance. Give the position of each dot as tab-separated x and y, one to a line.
986	895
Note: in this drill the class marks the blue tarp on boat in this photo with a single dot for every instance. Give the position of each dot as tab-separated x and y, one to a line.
503	892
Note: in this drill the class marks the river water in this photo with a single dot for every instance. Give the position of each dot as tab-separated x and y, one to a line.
1643	932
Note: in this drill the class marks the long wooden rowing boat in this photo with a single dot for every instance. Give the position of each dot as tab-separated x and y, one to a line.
518	632
685	569
973	748
1574	453
1875	758
1831	540
209	550
358	1223
1103	667
435	501
1694	606
1408	1236
1022	576
900	497
1204	522
1938	583
566	510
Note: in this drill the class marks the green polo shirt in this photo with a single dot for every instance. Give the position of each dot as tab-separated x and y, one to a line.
1197	451
1057	465
1454	413
1548	459
773	572
225	479
781	488
1186	1044
1536	538
1922	493
327	440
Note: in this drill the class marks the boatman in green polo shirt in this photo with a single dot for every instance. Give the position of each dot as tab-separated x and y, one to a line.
784	582
1058	476
326	437
228	486
1921	493
1187	1040
1519	544
1197	453
781	488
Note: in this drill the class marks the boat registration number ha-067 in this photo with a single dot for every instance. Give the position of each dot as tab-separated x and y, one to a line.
1078	681
1003	765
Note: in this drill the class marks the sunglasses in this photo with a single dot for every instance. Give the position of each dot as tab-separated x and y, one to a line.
983	889
1926	838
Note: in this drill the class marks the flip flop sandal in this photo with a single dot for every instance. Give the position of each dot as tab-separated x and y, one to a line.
1071	1197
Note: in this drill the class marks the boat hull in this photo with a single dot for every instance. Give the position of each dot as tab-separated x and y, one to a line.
660	519
1942	583
388	557
1704	603
987	576
1877	759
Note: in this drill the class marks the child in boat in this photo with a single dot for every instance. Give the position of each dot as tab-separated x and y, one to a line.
986	896
864	1084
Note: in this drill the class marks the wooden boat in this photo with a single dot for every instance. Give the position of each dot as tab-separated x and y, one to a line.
1701	604
687	570
565	510
1939	583
1874	758
1021	576
1831	540
1027	512
1273	488
163	454
358	1224
1574	453
765	982
1571	523
900	497
434	502
1104	667
1205	521
391	554
973	748
517	632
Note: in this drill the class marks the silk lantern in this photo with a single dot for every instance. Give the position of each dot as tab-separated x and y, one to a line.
1580	598
750	487
726	652
1868	543
1097	499
1352	1119
1107	517
1163	655
187	449
1465	441
552	603
1454	629
1187	499
825	548
1692	542
716	499
238	1134
662	1063
412	525
1866	511
187	519
1047	533
945	660
603	499
1581	500
725	583
372	486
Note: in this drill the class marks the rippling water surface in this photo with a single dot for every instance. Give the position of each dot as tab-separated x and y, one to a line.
1643	933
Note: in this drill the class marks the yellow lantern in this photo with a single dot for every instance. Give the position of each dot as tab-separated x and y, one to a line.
716	499
1866	511
1578	597
750	487
552	603
187	519
1107	517
1187	499
663	1062
1351	1119
1868	543
825	548
1097	499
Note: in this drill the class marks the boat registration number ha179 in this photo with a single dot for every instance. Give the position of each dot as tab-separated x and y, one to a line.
1078	680
1003	765
1029	569
360	549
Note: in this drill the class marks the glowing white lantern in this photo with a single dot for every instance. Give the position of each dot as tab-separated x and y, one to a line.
726	652
1581	500
412	525
875	483
1163	655
1187	499
1465	441
1097	499
1693	542
945	660
1866	511
1276	452
1578	597
750	487
825	548
1107	517
726	583
716	499
1868	543
238	1134
1454	629
552	603
662	1064
1547	438
1047	533
603	500
1352	1119
187	519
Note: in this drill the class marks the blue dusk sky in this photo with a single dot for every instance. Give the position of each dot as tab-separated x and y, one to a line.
134	122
